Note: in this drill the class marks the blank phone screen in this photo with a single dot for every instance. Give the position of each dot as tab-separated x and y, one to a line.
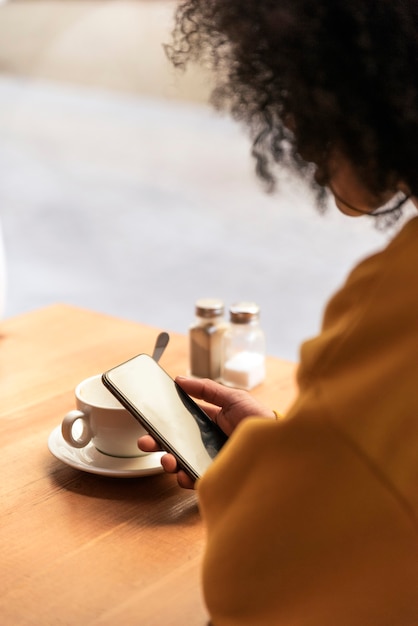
164	409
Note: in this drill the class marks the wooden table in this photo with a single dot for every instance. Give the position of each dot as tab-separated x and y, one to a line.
77	548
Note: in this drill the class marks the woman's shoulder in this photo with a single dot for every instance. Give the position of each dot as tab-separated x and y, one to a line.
380	292
399	255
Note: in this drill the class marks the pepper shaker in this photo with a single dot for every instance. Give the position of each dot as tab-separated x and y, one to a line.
205	336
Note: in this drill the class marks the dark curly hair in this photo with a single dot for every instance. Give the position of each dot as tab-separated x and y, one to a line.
308	76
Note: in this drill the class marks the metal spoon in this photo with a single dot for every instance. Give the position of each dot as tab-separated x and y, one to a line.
160	345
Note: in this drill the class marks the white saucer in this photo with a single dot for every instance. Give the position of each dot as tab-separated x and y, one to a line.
89	459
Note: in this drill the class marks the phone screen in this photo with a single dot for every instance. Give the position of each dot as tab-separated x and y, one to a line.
167	412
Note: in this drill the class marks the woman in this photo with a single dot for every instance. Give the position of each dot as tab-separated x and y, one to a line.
312	520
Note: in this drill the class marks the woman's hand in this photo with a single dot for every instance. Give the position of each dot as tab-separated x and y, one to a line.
225	406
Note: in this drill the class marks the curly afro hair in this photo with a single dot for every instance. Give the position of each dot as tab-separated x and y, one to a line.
310	76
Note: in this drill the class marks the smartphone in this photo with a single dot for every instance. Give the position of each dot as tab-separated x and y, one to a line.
169	414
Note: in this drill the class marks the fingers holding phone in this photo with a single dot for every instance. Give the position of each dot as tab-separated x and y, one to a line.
168	462
226	406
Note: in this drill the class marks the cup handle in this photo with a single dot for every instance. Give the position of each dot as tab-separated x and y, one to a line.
67	429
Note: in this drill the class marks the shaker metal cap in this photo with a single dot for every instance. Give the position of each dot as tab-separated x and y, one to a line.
209	307
244	312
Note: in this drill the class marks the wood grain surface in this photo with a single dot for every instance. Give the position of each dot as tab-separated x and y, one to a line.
78	548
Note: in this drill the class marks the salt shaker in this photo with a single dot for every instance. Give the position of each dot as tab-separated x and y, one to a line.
243	348
205	336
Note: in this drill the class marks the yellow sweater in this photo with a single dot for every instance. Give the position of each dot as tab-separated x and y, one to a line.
313	520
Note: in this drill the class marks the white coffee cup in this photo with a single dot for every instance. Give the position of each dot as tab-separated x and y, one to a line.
101	419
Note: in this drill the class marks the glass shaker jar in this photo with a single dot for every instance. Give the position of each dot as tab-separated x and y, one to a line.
205	336
243	348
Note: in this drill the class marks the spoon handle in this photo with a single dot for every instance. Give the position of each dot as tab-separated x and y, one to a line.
160	345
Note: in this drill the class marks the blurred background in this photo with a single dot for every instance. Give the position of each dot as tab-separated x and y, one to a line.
121	190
